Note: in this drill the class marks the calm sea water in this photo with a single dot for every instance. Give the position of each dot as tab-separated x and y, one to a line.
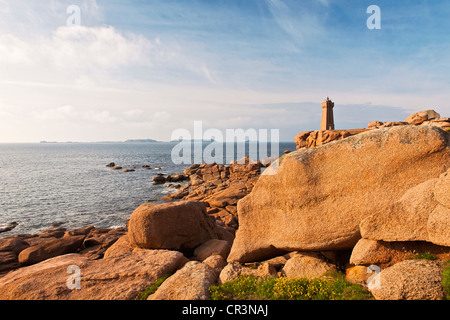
69	182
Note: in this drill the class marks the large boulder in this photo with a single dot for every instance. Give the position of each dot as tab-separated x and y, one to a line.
318	197
307	265
192	282
212	247
50	249
420	117
174	226
119	277
384	254
410	280
416	216
122	245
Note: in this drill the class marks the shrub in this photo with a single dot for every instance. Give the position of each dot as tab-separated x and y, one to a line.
250	287
424	256
446	279
152	289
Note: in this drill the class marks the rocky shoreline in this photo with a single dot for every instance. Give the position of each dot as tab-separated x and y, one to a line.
373	206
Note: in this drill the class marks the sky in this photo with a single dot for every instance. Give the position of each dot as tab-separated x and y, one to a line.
142	69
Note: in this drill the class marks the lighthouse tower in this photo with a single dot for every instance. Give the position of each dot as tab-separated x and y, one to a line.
327	115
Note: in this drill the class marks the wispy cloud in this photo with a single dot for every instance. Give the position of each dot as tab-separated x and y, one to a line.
143	69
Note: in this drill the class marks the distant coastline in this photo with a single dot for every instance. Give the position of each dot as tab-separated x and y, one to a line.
126	141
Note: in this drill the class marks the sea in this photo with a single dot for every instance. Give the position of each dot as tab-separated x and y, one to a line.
69	184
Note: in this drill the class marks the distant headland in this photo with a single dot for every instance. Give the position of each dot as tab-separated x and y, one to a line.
126	141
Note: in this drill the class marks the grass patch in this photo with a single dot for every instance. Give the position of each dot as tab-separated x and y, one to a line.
446	279
253	288
143	295
424	256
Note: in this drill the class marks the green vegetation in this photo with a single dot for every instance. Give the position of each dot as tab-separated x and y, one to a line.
251	288
150	290
448	129
424	256
446	279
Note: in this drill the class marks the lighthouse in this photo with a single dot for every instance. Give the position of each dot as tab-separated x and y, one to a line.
327	115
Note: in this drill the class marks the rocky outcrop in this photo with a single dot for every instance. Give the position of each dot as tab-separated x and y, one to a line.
310	139
422	116
192	282
234	270
176	226
212	247
8	227
24	249
50	249
341	184
122	245
410	280
417	216
119	277
220	187
385	254
161	179
307	265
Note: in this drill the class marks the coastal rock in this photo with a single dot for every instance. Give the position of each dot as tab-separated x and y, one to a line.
212	247
13	278
419	117
306	265
98	240
416	216
319	196
51	233
410	280
8	227
442	189
176	226
310	139
79	231
216	262
192	282
227	197
438	226
234	270
13	244
122	245
443	123
119	277
50	249
9	249
159	179
8	261
385	254
218	185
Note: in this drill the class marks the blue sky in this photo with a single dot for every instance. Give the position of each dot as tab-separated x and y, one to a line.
141	69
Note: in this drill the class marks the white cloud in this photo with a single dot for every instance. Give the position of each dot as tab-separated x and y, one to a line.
208	75
60	113
76	50
95	47
102	116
